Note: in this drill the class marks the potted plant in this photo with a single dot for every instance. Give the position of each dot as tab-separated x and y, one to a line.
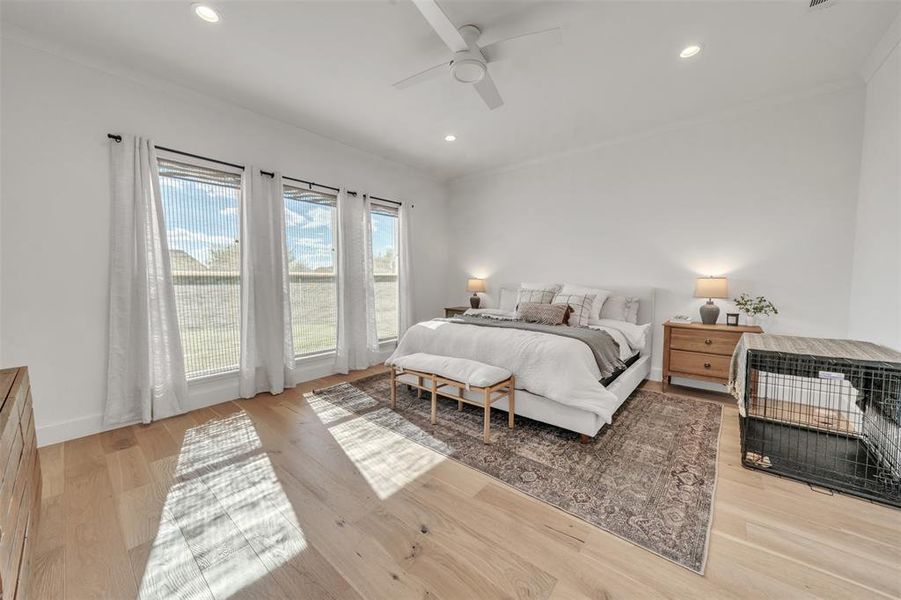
755	308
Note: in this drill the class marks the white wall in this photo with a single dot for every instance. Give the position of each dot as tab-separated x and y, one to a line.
875	310
55	212
765	196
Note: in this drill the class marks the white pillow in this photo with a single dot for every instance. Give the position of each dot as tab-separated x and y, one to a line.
637	335
553	287
581	305
599	296
620	308
507	300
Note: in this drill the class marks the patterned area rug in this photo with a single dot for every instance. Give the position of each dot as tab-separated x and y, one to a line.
648	478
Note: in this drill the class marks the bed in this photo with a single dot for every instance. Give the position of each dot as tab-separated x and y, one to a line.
554	377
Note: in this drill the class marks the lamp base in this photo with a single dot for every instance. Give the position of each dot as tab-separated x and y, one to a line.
710	312
475	301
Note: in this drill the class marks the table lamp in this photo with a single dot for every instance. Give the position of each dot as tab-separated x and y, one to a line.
710	288
475	286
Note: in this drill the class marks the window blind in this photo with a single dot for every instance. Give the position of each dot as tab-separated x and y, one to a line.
310	221
201	208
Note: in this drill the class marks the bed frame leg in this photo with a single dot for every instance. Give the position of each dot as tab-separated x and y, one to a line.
584	439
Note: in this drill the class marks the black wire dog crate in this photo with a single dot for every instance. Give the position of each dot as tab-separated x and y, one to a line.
832	422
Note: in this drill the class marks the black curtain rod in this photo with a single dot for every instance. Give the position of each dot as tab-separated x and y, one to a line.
310	184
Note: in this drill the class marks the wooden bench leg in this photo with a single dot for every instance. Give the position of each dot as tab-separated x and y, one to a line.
460	402
486	437
393	400
511	403
434	401
419	389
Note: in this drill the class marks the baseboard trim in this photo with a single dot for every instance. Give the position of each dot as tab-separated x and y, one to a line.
200	395
62	431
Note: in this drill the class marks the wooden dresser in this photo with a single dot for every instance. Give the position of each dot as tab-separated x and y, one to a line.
699	351
20	487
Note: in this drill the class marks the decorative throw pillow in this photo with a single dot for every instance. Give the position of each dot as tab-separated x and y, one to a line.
548	314
527	296
632	310
581	307
581	290
620	308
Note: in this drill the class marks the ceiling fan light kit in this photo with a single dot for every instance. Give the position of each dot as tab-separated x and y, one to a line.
468	69
470	62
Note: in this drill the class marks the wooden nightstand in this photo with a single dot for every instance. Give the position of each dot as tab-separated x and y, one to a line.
699	351
453	311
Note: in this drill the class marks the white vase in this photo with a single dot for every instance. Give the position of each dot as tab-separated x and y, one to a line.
750	320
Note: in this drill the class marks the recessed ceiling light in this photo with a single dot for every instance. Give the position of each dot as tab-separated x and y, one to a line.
450	138
205	12
690	51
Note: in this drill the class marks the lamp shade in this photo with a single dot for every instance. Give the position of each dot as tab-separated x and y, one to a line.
711	287
475	285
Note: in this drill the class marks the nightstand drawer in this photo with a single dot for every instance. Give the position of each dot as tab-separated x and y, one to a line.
712	342
696	363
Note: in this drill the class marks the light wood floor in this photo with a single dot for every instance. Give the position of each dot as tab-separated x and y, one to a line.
275	497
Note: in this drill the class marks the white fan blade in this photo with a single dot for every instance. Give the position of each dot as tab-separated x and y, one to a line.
488	91
522	44
430	73
446	30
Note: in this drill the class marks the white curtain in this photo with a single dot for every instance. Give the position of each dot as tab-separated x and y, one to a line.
267	343
372	336
356	287
404	290
146	368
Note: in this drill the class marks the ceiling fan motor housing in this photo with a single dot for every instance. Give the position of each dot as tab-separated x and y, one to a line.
469	66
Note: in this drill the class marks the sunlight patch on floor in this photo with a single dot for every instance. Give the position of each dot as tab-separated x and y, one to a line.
226	521
387	460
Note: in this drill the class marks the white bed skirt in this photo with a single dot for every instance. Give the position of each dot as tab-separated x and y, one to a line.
541	408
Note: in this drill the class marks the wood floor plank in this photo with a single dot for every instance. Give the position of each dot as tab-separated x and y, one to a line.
127	469
360	559
164	567
155	441
118	439
96	562
52	470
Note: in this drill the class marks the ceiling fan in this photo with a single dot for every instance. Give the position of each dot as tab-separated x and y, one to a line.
469	64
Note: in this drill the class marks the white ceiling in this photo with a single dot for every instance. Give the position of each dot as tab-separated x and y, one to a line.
328	66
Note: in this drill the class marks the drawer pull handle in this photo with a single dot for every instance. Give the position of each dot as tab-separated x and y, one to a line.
706	365
708	341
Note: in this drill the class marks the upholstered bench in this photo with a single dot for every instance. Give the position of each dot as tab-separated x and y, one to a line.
444	375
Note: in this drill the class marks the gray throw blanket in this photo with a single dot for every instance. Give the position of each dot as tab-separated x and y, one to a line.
602	345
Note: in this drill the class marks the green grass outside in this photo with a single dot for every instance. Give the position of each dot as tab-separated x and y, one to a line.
209	319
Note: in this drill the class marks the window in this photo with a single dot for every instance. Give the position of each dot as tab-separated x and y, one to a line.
384	267
310	233
201	211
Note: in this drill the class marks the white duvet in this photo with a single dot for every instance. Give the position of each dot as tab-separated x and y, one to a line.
560	368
